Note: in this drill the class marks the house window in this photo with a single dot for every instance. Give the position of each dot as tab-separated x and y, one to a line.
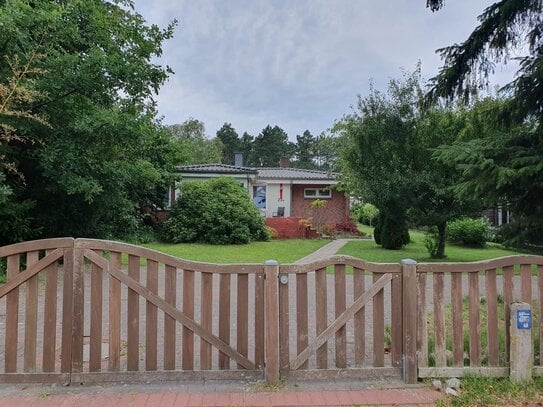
321	193
259	196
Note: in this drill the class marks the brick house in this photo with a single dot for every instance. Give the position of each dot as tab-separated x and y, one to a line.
283	194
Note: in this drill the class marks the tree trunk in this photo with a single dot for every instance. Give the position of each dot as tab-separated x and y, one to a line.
441	231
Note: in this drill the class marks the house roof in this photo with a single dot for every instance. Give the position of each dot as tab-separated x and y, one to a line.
295	173
270	173
216	168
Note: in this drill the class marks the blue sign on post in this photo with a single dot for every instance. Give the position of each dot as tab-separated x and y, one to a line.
524	319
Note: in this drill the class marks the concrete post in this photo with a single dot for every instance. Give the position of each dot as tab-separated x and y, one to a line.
521	350
271	322
409	318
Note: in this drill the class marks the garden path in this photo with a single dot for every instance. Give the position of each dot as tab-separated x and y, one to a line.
325	251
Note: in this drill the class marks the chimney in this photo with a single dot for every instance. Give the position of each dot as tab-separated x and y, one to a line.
284	162
238	159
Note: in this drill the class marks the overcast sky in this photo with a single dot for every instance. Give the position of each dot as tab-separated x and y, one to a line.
298	64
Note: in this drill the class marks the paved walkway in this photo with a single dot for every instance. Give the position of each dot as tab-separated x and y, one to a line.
325	251
147	395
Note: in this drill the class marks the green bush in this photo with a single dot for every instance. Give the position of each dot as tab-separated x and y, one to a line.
367	214
218	211
469	232
391	232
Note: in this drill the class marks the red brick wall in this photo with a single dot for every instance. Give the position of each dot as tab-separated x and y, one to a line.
335	211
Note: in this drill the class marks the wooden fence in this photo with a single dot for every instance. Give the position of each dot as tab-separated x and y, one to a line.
83	310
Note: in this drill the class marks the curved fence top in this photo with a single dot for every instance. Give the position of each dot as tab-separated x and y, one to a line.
480	265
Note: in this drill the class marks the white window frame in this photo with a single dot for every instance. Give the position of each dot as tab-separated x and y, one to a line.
319	193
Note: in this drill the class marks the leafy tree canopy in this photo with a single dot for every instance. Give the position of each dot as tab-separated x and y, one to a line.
270	146
197	148
231	143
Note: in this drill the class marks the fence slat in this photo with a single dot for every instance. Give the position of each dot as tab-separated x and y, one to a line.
188	310
284	346
378	325
474	320
422	325
507	300
67	301
50	317
31	316
78	326
301	315
133	331
396	320
206	312
170	290
340	306
114	354
95	356
457	319
359	319
224	318
492	317
526	283
540	302
259	320
439	320
12	317
321	314
243	315
151	318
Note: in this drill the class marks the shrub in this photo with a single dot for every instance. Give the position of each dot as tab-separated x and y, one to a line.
469	232
347	226
218	211
366	214
272	232
391	232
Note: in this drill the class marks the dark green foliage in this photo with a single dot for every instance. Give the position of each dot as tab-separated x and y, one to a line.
218	211
305	151
391	232
231	143
270	146
469	232
377	231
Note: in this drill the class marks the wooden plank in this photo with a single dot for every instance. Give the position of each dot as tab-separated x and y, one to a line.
439	320
492	317
526	283
321	315
151	318
271	293
180	316
31	316
341	320
474	320
463	371
340	301
170	290
359	319
479	265
284	333
188	310
507	300
396	320
114	354
206	310
457	319
133	320
95	357
343	260
78	325
259	320
224	318
540	302
243	315
12	317
301	315
342	374
50	317
378	326
67	310
19	378
422	322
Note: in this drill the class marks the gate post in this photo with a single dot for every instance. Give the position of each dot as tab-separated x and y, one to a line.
271	322
409	273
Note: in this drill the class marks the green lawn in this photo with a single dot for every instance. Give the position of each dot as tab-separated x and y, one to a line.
368	250
284	251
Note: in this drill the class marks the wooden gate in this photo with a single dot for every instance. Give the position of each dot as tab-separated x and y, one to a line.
117	309
335	310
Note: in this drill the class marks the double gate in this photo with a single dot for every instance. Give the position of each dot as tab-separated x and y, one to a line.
84	310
